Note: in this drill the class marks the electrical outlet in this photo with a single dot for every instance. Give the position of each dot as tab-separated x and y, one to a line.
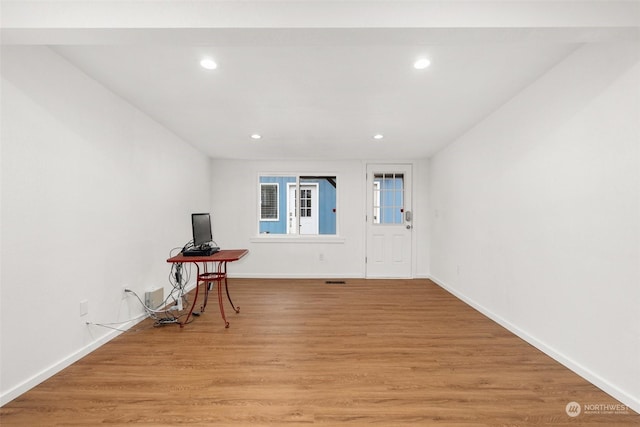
123	291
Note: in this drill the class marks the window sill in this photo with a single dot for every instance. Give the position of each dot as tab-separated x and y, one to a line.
287	238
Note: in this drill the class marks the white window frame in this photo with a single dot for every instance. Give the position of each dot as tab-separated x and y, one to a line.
297	238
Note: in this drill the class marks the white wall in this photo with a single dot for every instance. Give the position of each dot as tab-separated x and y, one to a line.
536	216
94	195
235	212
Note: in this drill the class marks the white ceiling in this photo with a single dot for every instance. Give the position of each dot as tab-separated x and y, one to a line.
316	93
317	101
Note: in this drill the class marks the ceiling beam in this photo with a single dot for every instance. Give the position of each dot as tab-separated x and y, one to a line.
181	14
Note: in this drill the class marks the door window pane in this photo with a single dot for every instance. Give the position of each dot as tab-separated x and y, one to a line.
388	198
305	203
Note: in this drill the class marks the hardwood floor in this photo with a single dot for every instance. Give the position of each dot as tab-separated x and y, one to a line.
384	352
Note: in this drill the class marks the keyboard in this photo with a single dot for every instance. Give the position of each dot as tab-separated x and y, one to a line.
200	251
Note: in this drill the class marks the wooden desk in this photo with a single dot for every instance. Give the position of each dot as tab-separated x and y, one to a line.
217	274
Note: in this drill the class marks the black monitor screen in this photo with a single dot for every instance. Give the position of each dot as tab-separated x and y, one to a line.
201	224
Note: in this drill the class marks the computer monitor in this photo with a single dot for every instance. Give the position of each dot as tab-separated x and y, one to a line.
201	225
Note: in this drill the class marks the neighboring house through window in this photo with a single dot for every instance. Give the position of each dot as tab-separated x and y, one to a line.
298	205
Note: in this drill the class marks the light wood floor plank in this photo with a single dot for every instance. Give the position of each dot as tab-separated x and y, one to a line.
302	352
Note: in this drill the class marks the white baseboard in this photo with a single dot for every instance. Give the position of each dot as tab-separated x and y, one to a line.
294	276
47	373
627	399
309	276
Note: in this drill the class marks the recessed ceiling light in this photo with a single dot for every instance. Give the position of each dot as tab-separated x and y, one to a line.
208	63
421	64
256	136
378	136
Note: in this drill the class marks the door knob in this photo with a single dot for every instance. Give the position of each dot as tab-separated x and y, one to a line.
408	227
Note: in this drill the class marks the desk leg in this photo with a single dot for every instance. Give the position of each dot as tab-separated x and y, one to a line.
219	280
226	288
206	289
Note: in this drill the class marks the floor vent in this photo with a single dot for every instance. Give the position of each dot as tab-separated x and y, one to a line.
335	282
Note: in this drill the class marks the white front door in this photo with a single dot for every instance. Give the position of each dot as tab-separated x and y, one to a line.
389	221
306	219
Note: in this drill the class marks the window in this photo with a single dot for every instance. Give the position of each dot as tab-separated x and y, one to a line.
269	202
307	203
388	198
